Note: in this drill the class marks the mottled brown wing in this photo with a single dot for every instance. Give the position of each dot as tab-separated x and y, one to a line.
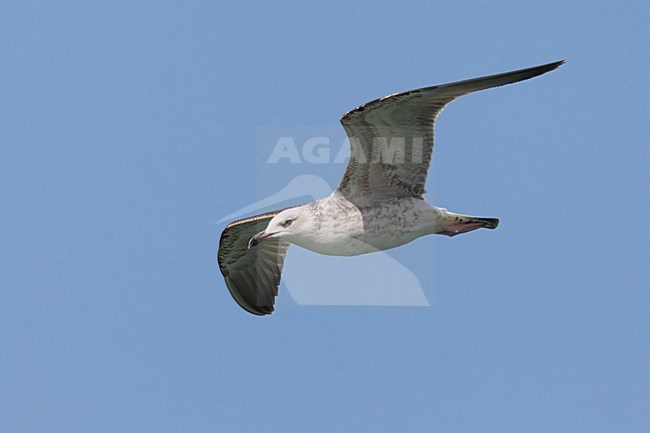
252	275
392	137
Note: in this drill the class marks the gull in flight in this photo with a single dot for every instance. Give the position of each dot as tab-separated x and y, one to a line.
378	204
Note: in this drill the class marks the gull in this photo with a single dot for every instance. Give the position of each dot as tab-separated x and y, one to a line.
379	203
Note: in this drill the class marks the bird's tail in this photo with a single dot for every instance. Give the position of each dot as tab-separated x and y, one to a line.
455	224
488	223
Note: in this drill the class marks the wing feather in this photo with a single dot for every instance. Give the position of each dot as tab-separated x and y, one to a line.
391	138
252	275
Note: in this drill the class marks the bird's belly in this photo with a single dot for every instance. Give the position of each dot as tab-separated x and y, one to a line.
337	245
388	240
342	244
363	244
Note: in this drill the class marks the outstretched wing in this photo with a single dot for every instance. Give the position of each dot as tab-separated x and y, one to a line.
252	275
392	137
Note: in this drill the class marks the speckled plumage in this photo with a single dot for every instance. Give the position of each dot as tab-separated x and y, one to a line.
344	228
378	204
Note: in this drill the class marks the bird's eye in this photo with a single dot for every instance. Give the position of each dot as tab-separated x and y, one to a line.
286	223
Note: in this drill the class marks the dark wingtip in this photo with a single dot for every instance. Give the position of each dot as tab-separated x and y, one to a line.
542	69
262	310
555	65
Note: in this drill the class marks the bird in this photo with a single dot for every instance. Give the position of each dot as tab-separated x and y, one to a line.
379	203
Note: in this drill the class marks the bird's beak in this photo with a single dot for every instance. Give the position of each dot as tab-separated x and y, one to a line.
255	240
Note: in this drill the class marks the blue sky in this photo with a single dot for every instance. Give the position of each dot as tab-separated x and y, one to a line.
127	129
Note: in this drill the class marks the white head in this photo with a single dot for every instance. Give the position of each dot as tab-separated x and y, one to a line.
287	225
